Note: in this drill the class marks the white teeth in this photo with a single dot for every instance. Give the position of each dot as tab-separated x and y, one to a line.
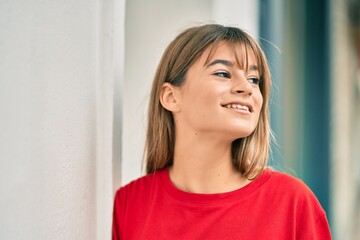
237	106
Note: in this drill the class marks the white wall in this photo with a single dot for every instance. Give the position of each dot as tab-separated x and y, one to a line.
56	90
241	13
150	26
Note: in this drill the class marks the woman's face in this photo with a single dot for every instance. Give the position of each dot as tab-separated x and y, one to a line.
218	97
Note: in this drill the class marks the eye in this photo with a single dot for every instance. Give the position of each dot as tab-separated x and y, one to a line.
223	74
255	81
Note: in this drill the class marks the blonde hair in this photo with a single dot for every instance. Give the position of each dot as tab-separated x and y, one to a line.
250	154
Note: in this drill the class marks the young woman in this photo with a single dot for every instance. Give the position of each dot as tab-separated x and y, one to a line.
207	149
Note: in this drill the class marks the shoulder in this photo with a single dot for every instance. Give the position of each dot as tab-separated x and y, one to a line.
287	183
295	191
131	200
141	186
292	193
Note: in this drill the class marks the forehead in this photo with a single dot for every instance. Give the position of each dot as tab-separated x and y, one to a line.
241	54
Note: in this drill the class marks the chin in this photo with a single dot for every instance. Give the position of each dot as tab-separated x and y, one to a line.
240	134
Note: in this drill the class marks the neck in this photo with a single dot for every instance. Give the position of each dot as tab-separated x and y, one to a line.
204	165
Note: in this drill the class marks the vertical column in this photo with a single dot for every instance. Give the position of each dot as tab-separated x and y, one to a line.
271	33
345	124
110	52
316	114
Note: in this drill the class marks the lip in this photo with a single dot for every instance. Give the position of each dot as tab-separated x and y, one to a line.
248	105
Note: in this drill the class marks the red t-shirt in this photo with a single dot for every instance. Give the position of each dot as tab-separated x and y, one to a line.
274	206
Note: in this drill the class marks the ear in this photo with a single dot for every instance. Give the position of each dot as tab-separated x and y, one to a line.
169	97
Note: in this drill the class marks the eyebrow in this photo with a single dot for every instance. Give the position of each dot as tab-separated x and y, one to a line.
229	64
220	61
253	67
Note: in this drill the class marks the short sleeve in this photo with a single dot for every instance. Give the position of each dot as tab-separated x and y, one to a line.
312	223
323	230
319	230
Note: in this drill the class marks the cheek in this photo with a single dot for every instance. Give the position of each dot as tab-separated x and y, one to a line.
206	95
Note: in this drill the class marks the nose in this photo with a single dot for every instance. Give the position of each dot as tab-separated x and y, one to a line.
241	85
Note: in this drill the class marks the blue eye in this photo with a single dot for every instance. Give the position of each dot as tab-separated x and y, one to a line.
223	74
255	81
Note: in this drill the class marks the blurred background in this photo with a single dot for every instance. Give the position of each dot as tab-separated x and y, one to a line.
75	78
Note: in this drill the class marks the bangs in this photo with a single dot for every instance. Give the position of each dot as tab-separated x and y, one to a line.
240	50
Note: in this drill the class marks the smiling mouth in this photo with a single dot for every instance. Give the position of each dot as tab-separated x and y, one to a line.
237	106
